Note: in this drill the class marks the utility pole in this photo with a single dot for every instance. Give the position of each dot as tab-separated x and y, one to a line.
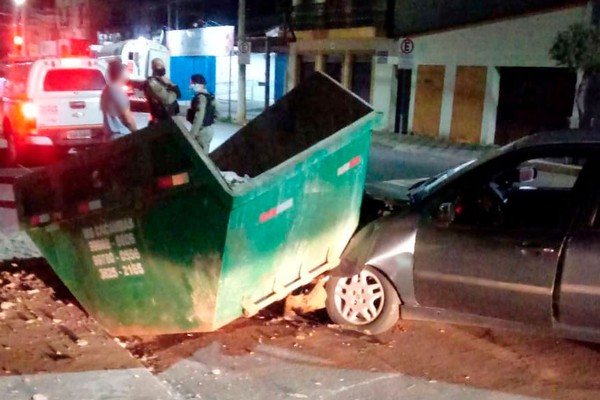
267	73
177	14
241	107
169	14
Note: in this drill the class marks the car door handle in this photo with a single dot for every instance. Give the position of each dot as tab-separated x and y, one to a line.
77	105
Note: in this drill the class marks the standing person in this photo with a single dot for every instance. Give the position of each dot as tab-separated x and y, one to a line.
114	103
202	112
161	93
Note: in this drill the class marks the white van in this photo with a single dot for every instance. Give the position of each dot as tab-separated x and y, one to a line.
137	55
51	104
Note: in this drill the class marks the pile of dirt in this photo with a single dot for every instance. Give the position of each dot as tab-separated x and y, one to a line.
43	328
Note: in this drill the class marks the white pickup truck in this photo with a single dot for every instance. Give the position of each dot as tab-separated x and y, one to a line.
50	106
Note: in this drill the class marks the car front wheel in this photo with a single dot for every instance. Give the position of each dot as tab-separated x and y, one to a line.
367	302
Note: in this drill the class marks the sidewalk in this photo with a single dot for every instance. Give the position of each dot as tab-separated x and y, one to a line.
431	145
459	151
50	347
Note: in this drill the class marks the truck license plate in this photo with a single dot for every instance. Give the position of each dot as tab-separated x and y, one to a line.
79	134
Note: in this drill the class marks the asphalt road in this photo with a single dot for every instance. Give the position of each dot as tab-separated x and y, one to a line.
404	163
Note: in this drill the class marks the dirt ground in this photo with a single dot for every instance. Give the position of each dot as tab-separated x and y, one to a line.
44	330
496	360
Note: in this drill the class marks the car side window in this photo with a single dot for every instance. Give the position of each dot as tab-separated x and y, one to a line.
552	173
536	192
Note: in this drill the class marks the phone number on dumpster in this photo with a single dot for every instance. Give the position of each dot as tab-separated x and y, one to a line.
113	249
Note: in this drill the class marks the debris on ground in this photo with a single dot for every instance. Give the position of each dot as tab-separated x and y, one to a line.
42	331
48	332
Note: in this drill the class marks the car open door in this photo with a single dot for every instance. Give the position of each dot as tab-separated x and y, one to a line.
500	266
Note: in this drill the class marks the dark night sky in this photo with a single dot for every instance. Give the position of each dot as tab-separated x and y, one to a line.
259	12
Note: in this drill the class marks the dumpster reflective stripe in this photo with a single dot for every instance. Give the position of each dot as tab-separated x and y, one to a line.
39	219
89	206
173	180
349	165
273	212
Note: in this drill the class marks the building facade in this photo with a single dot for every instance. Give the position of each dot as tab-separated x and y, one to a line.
470	72
74	19
339	38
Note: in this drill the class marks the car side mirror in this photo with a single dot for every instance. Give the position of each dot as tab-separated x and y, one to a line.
527	174
446	214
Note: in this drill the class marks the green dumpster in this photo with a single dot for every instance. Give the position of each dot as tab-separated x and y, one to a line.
151	238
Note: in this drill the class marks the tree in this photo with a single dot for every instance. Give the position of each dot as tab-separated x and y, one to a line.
578	48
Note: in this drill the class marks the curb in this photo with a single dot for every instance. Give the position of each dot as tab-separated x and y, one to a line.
394	142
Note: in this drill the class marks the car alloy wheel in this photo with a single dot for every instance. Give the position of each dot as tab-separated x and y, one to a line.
367	302
360	298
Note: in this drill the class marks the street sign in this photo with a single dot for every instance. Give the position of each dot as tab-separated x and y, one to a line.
244	50
406	58
407	46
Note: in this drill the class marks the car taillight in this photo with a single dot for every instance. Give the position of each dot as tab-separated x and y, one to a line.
28	118
29	111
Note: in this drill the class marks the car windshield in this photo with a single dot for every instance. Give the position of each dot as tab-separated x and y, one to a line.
427	185
73	80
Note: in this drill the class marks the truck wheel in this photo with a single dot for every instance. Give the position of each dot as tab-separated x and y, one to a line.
366	302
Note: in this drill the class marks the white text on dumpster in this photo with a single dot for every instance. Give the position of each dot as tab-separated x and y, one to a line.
113	249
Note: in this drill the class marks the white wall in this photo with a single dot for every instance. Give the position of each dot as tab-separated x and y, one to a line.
255	73
447	100
522	42
490	106
384	99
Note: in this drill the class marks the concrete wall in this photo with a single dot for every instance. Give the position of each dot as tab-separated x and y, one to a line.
413	17
519	42
383	93
255	78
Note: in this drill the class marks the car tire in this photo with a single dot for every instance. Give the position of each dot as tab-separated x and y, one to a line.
366	302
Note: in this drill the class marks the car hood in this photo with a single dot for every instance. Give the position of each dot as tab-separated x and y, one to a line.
397	189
